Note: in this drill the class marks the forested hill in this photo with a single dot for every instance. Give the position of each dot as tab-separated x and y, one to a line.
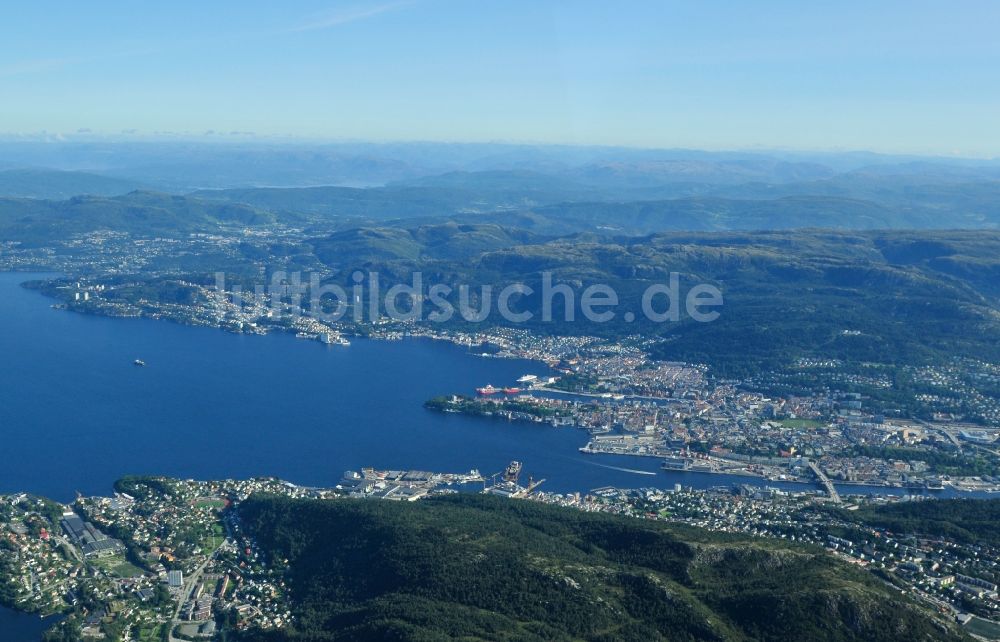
139	213
481	568
972	521
902	297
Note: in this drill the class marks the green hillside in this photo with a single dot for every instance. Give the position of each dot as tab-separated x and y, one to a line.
143	214
55	184
972	521
885	297
347	202
444	241
481	568
725	214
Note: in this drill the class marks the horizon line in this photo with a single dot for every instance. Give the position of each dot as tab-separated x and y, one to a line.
209	137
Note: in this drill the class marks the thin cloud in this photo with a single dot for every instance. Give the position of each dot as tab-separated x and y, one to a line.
345	16
35	66
42	65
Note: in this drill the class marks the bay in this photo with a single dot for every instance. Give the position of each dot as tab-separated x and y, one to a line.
76	413
22	627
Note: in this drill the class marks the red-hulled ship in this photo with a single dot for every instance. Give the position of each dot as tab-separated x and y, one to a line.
511	391
488	389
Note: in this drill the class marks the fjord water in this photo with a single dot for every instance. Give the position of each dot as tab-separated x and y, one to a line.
22	627
76	413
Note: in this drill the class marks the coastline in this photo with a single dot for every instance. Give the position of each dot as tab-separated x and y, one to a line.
462	341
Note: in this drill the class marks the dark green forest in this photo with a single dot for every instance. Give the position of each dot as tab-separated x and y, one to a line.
481	568
970	521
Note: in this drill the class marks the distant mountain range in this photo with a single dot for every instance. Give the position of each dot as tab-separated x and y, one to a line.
58	184
147	214
803	250
519	201
187	166
550	190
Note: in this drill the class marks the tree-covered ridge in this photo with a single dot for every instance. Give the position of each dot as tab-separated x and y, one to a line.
882	297
139	213
50	183
606	197
902	298
972	521
481	568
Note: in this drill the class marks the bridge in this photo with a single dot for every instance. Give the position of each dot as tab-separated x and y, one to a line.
827	484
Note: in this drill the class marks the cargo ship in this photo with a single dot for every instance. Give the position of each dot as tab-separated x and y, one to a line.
676	463
488	389
513	472
511	391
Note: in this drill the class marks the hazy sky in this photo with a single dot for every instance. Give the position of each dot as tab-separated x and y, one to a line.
887	75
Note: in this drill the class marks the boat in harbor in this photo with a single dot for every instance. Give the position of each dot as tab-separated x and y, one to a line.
333	338
486	390
511	391
512	472
676	463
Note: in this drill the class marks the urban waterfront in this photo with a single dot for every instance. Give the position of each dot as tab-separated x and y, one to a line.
210	404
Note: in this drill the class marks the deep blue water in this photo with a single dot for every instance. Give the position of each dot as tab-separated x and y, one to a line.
21	627
76	414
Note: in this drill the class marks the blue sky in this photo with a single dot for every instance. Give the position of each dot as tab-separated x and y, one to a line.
900	76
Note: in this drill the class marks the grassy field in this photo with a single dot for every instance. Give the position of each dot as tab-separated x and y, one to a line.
119	566
801	423
983	628
210	502
151	633
214	539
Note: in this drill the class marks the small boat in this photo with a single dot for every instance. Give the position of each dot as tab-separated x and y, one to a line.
139	362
